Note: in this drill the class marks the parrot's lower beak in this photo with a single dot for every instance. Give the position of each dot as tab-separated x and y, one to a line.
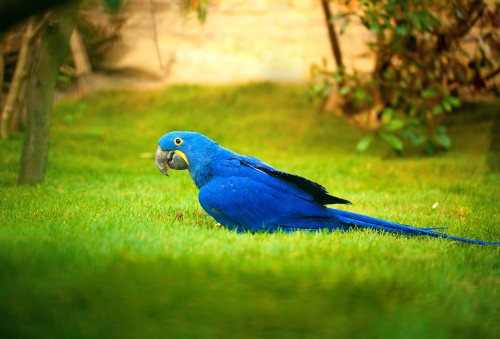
170	159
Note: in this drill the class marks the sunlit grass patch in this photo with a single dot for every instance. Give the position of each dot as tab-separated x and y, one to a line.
108	247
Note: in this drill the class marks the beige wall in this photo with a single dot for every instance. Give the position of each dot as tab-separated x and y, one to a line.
241	41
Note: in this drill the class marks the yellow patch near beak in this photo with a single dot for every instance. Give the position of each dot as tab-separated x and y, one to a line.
182	155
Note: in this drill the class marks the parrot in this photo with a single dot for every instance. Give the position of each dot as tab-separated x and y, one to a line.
244	194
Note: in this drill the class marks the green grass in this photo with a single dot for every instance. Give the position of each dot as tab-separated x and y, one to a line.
107	247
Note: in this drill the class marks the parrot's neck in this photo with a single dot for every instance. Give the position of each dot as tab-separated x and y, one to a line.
207	165
200	165
200	176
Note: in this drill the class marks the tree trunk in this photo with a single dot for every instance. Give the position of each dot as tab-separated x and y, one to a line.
334	42
19	73
331	100
54	47
81	60
18	119
2	66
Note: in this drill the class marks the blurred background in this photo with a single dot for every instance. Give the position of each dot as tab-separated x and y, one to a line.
237	42
233	41
393	69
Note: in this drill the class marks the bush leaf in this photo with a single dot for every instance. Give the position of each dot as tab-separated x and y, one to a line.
344	90
429	93
443	140
392	140
394	125
364	143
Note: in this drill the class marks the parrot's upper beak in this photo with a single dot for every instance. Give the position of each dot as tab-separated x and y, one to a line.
170	159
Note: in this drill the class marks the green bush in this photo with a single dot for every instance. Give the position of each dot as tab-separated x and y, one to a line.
420	71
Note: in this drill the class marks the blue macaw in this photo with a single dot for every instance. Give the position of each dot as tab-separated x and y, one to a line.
247	195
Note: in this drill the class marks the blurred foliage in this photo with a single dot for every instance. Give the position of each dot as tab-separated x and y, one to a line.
113	5
428	53
198	6
99	22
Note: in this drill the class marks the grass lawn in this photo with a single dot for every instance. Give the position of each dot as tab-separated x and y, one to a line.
107	247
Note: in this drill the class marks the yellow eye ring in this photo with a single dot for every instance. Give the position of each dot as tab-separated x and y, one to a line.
178	141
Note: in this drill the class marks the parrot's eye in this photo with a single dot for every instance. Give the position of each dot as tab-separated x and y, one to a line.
178	141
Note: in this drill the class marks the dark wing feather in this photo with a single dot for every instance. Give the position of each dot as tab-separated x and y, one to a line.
318	192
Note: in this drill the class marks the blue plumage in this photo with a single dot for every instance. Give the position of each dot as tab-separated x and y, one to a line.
245	194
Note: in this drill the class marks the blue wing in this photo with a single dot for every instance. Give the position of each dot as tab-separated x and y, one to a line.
318	192
253	196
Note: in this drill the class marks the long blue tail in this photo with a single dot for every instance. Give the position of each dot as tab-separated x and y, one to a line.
349	218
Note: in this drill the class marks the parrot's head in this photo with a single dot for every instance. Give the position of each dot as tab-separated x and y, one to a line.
180	150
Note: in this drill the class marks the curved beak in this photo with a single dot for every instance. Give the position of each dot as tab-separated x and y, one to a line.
170	159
